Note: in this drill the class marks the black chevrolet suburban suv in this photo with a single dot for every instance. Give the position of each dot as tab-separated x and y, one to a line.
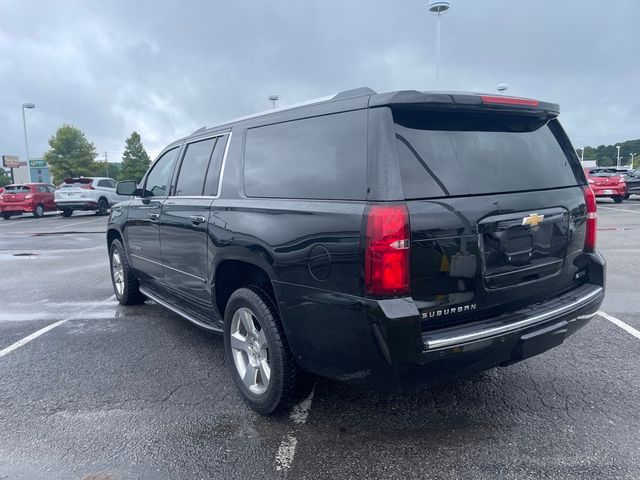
390	240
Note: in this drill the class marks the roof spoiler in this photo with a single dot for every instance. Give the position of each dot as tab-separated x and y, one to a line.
445	100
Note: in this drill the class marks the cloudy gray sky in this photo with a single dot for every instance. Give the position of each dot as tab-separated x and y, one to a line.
166	68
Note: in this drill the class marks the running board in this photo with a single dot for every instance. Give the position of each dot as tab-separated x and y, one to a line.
184	315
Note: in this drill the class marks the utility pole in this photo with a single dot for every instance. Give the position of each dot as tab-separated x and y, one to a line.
106	160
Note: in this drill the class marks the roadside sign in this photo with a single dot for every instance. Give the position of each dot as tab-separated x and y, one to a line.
37	163
10	161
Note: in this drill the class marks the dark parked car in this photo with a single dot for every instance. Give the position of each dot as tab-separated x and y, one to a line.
633	183
389	240
34	198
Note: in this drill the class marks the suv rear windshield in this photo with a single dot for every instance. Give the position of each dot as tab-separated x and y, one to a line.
448	154
70	182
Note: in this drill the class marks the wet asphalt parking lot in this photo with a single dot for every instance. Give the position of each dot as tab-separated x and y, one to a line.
116	393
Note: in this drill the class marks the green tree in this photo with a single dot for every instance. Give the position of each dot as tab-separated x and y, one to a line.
135	161
5	178
70	154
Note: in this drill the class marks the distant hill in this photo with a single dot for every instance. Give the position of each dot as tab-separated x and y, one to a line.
606	155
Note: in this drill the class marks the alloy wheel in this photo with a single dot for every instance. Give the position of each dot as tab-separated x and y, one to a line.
250	351
117	272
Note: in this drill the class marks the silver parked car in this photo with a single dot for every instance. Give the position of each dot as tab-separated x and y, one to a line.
87	193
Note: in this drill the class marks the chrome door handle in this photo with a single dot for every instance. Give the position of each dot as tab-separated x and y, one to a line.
197	219
154	217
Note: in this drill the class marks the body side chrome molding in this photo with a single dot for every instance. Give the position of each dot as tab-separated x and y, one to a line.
439	343
184	315
203	280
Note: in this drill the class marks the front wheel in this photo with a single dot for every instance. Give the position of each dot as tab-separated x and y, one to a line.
125	284
6	216
67	212
257	353
618	199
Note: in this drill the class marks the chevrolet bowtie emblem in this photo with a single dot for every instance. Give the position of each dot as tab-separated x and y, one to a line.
533	219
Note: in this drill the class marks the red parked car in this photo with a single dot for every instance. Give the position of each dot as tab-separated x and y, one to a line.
607	182
35	198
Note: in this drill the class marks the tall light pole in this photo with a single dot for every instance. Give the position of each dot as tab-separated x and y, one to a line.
632	155
24	125
618	161
438	7
273	99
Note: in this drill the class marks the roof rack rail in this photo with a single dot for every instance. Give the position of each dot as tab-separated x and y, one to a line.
201	129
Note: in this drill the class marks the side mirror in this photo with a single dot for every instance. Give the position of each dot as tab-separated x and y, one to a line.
127	187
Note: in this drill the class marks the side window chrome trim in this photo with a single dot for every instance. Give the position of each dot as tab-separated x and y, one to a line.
186	144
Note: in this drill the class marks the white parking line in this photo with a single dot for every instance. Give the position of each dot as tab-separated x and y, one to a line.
620	210
85	314
287	449
8	223
78	223
620	323
28	338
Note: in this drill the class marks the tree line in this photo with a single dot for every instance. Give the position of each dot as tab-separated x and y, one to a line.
70	154
607	155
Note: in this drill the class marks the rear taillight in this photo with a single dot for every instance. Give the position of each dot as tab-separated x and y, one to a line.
621	180
387	250
592	220
28	196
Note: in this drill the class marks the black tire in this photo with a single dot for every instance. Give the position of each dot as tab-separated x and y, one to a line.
130	294
67	212
6	216
39	211
103	206
281	388
626	197
618	199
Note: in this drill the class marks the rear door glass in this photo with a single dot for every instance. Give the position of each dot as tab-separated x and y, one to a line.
194	168
443	154
215	165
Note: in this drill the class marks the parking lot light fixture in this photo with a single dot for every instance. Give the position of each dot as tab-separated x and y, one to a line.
24	125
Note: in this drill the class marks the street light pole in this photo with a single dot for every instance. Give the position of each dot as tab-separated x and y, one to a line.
632	155
24	125
438	7
618	161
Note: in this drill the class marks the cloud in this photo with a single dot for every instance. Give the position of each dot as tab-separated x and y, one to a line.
165	69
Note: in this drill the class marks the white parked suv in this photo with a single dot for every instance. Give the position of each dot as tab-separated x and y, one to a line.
87	193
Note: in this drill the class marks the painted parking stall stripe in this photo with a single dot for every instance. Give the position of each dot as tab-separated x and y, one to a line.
287	449
78	223
31	337
42	331
620	209
627	328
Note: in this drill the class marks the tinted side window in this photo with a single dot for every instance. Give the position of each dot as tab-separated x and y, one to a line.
194	167
321	157
42	189
51	188
213	174
159	178
443	154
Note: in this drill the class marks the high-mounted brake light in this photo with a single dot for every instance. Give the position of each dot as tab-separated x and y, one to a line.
500	100
387	250
592	220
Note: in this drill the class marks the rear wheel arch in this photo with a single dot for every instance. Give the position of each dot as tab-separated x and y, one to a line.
231	275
